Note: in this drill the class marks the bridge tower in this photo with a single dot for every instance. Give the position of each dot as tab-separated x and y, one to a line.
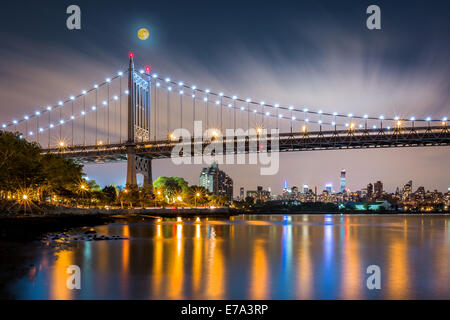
139	91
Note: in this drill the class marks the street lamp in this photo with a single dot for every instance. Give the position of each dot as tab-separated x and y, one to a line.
195	198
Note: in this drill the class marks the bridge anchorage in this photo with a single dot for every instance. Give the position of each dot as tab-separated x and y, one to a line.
137	125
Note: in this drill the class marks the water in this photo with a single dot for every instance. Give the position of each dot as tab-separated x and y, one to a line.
254	257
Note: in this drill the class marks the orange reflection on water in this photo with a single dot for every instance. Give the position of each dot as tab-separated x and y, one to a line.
197	260
352	280
176	271
305	276
259	283
58	288
398	270
215	270
157	262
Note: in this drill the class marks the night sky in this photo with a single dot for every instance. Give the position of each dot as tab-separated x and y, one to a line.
315	53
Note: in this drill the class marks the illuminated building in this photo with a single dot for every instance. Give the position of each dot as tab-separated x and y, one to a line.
216	181
343	181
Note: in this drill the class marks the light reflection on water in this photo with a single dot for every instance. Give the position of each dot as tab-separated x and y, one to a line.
254	257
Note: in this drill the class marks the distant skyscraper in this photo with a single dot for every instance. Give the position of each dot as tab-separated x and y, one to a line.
329	187
369	190
378	189
241	194
343	181
216	181
305	188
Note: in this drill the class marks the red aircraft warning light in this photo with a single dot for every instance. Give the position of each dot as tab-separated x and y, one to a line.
131	54
147	69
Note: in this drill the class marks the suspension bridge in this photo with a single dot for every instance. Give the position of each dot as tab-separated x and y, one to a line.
133	116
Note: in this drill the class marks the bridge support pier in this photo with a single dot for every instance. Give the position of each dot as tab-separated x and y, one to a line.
144	167
131	165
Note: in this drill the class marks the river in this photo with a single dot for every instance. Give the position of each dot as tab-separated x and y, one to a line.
252	257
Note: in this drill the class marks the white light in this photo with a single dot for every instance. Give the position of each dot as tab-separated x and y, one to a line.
319	122
396	118
83	113
291	107
267	113
306	120
95	86
207	90
360	125
157	84
217	102
389	128
333	123
120	73
3	125
205	99
193	96
305	110
234	97
242	108
350	115
116	98
320	111
381	117
14	121
167	79
346	125
194	88
229	105
412	119
254	111
83	91
248	100
155	76
30	133
26	117
293	118
365	116
72	117
127	92
140	71
335	113
181	92
51	125
262	103
169	88
180	83
93	108
60	103
277	105
61	121
41	129
374	127
104	103
444	119
280	116
428	119
221	94
72	98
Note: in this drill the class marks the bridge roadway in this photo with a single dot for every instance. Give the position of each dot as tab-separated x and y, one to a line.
430	136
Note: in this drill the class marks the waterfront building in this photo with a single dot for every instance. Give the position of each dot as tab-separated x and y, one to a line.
216	181
343	180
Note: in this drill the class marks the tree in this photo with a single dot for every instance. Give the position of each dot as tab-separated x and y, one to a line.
110	194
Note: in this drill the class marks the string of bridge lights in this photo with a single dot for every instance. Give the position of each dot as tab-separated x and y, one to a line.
62	103
289	108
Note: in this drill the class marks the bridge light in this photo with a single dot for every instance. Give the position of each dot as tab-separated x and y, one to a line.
83	92
412	119
26	117
37	113
259	130
291	107
352	126
60	103
304	128
346	125
267	113
293	118
172	137
333	123
155	75
3	125
335	113
193	95
180	83
428	119
389	128
229	105
280	116
104	102
248	100
365	116
14	121
41	129
61	121
399	123
307	120
350	115
61	144
30	133
319	122
157	84
131	54
116	98
51	125
194	88
262	103
181	92
277	105
360	126
396	118
305	110
217	102
221	94
167	79
94	108
374	127
100	143
147	69
169	88
215	133
444	119
72	98
120	73
242	108
320	112
205	99
254	111
72	117
207	90
234	97
381	117
96	86
83	113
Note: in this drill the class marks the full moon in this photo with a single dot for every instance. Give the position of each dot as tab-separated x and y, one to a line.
143	34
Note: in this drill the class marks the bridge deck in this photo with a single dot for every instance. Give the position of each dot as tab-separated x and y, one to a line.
288	142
